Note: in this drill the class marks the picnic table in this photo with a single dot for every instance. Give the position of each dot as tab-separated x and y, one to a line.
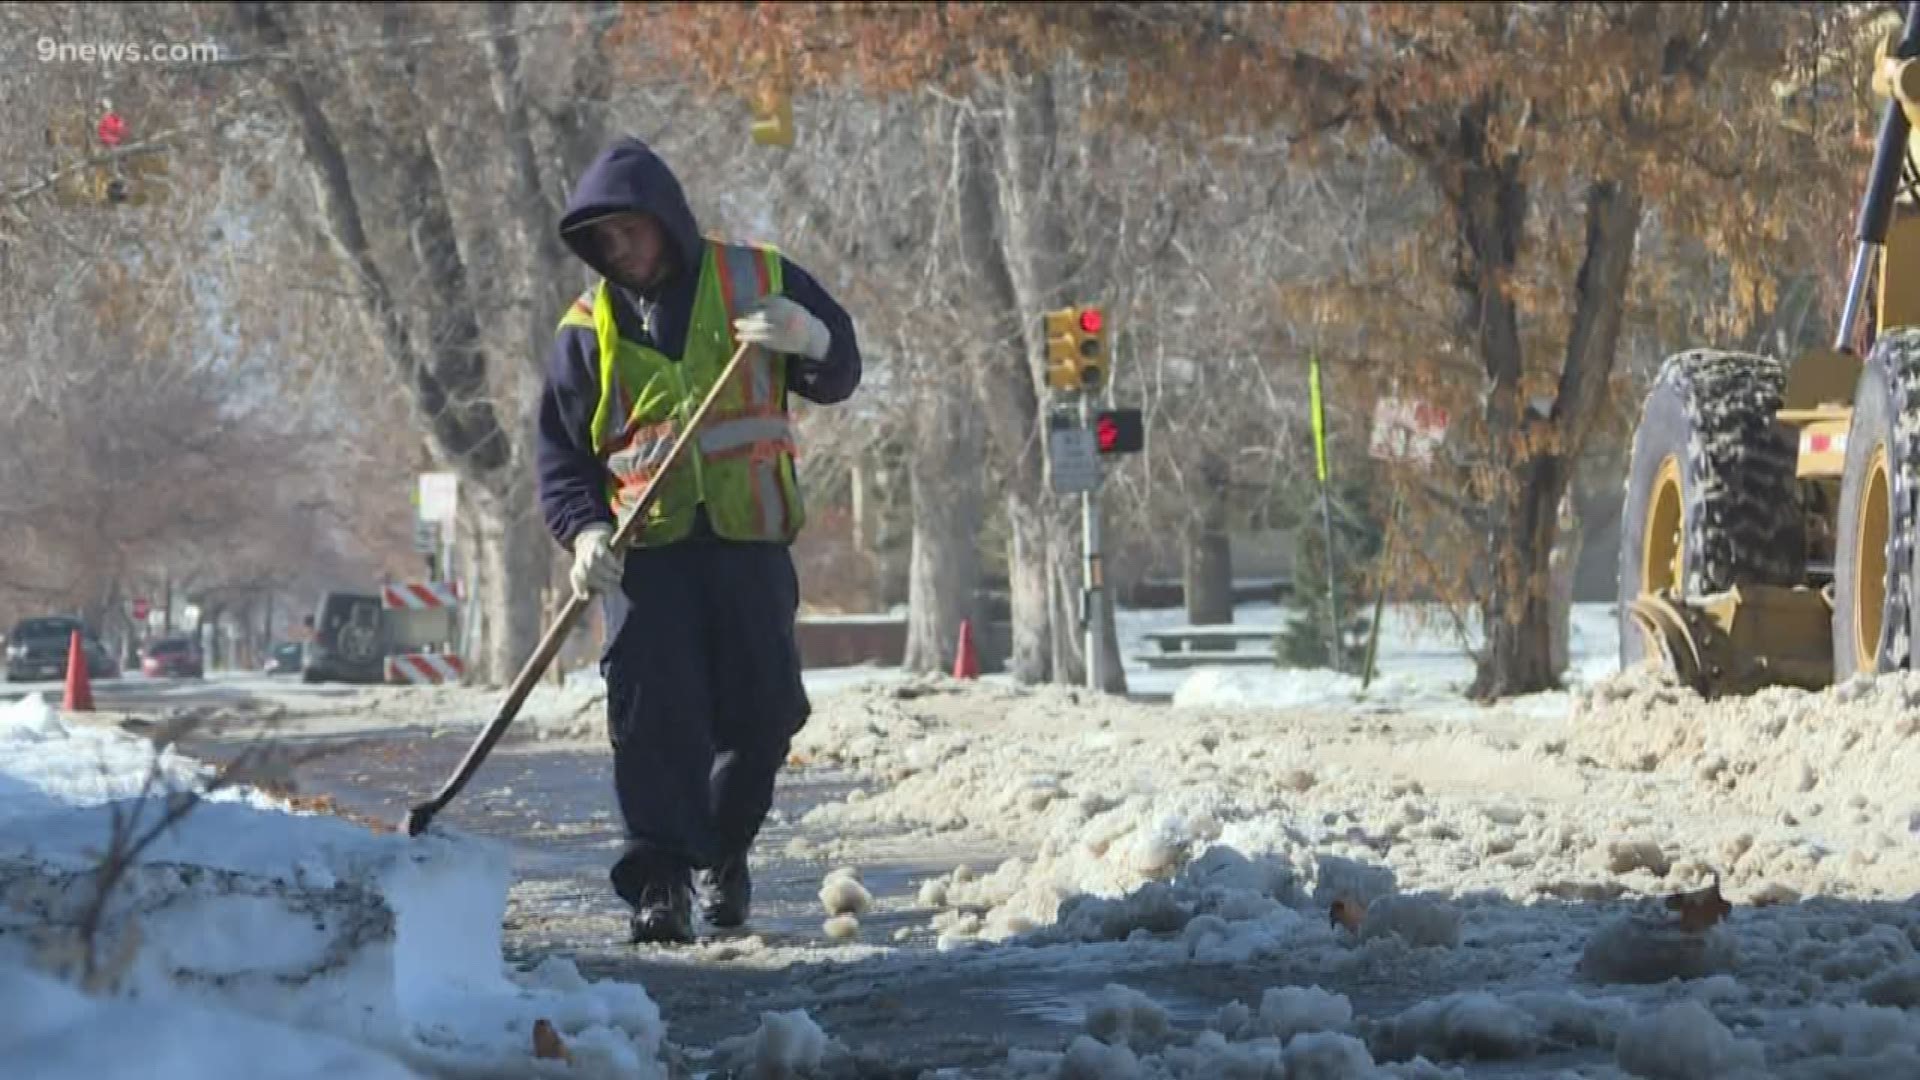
1194	646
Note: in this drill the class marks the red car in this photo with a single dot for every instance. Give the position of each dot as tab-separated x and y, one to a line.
172	657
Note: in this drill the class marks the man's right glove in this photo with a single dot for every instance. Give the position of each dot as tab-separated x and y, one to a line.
596	569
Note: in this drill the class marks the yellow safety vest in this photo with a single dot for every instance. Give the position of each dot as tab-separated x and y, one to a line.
742	465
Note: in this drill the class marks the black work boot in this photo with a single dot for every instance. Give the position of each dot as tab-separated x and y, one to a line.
728	892
663	917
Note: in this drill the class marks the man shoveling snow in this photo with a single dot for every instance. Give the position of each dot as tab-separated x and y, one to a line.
704	689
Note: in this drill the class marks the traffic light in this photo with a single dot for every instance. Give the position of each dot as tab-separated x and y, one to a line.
1063	350
134	180
1093	349
1119	431
1076	349
773	118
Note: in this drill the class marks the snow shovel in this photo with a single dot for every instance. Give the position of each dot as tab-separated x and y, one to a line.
536	666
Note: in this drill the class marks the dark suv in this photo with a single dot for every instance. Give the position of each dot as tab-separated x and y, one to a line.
349	640
37	649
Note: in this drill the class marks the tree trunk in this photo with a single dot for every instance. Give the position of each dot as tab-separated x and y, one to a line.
540	277
891	550
444	368
1208	562
1030	590
1523	508
1517	614
1532	443
510	555
944	567
1563	563
1005	390
1036	242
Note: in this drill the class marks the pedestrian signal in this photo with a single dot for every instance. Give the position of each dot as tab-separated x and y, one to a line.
1119	431
1093	349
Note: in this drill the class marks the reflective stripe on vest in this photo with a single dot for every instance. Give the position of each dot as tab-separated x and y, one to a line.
743	268
752	436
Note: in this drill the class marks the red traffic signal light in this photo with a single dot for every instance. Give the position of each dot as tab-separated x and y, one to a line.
1119	431
1090	320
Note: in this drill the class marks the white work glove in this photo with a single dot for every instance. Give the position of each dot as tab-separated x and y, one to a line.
596	569
780	325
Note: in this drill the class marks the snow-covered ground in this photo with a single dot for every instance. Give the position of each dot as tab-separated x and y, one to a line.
1458	891
1390	884
256	940
1422	659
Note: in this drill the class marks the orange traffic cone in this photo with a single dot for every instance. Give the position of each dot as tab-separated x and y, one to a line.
966	665
79	686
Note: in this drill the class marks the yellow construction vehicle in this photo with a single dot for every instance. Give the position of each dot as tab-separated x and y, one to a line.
1767	532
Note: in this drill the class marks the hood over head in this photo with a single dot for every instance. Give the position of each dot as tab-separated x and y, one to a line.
629	176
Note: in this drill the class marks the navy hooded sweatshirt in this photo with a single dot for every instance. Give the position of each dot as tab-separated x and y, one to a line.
630	176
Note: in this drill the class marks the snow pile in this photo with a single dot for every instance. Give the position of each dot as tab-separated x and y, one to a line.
1130	801
49	1029
1838	761
785	1046
279	923
1508	876
1684	1041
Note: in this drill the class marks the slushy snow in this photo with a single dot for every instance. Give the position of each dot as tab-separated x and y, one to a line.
1503	874
1510	868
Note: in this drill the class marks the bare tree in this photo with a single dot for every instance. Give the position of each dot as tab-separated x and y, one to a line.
408	195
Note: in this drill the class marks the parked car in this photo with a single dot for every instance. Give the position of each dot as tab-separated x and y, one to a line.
286	658
173	657
349	640
37	649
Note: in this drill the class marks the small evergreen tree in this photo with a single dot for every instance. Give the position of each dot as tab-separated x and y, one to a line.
1306	639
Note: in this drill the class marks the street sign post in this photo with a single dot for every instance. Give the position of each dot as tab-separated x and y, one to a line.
438	503
439	496
1073	459
1406	429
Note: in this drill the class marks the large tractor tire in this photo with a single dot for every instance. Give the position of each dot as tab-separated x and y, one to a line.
1873	563
1712	500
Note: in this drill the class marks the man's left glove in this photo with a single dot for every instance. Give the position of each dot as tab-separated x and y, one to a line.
783	326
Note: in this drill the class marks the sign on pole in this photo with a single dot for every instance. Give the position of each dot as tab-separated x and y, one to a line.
439	496
1406	429
426	536
1073	460
139	609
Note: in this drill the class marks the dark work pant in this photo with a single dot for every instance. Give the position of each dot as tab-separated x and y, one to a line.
704	695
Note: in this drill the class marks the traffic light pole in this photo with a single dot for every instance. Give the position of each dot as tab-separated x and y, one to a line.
1093	610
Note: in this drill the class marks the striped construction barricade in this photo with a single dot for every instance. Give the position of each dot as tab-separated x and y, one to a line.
420	595
425	668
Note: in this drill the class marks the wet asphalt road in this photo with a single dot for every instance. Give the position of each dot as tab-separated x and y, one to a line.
903	1013
554	808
